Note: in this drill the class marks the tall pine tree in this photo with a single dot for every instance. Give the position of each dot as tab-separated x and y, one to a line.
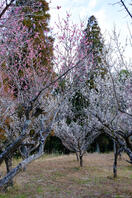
36	19
93	47
95	42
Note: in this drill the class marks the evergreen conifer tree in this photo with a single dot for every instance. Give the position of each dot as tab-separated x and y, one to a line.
94	48
95	42
36	19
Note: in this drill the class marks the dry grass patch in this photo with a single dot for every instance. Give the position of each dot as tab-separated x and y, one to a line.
61	177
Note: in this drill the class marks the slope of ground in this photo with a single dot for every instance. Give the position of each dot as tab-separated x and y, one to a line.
61	177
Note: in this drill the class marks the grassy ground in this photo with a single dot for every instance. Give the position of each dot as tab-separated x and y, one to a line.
61	177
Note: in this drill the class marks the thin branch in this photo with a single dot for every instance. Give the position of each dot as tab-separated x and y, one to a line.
53	82
6	8
127	10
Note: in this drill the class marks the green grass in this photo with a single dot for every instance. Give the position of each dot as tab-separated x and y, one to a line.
40	190
13	196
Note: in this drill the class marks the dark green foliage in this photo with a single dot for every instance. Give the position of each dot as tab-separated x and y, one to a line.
53	145
104	142
94	37
20	110
78	102
61	87
38	112
124	75
37	19
95	50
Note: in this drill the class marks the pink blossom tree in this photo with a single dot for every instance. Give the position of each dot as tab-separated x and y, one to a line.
22	82
30	86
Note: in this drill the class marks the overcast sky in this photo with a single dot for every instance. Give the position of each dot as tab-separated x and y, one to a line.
106	13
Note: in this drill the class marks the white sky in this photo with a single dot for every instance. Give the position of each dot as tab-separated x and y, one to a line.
107	14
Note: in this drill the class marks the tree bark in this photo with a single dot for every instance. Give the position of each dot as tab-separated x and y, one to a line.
8	162
12	147
12	173
4	181
6	8
77	157
115	160
81	161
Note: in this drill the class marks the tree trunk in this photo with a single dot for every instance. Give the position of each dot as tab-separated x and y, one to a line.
129	153
81	161
13	172
115	159
77	157
97	148
13	147
24	153
8	162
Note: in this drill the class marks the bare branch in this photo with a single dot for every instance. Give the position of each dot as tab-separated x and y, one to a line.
125	7
6	8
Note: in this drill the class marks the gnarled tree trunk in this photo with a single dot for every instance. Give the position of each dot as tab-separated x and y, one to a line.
8	162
